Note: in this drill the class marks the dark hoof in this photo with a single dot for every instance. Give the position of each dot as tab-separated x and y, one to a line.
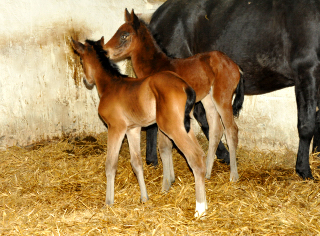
305	175
223	157
152	163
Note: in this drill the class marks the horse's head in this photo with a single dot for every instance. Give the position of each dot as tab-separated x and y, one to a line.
89	59
124	41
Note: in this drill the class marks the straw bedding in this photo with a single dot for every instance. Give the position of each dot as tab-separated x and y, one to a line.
58	188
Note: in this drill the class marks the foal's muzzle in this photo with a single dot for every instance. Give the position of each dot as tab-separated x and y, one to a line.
87	84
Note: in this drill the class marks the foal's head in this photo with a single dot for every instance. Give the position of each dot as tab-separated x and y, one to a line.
93	57
125	40
89	59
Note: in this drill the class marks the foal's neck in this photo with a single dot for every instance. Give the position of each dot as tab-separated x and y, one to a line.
148	58
104	79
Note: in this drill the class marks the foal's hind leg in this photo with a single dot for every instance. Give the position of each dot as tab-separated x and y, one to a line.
215	132
231	130
195	157
165	150
115	138
200	115
133	136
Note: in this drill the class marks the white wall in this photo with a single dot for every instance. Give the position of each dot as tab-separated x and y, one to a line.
41	90
269	121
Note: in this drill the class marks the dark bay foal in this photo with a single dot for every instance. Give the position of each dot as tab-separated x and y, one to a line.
127	104
214	77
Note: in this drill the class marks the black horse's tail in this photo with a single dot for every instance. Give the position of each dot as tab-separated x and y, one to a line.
191	99
238	100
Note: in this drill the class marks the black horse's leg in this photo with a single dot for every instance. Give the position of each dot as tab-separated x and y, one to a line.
151	150
316	137
305	89
200	115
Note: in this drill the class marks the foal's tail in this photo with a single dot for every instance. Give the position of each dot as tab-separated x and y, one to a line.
191	99
238	100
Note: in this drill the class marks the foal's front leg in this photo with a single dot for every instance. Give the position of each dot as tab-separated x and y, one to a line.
115	138
133	136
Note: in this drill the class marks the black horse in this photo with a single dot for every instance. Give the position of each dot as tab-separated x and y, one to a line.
276	42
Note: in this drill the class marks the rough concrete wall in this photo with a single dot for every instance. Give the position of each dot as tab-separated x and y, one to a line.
41	90
269	121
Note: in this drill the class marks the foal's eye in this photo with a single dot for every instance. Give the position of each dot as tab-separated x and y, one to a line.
124	36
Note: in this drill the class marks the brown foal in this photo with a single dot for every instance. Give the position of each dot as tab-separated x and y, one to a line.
127	104
212	75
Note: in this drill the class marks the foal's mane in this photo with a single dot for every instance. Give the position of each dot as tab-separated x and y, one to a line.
156	40
106	63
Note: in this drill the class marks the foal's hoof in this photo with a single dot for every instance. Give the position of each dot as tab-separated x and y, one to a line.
208	175
144	199
200	215
201	209
109	203
166	185
234	177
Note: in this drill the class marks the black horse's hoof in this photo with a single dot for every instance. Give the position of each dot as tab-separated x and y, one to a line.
223	156
152	163
305	174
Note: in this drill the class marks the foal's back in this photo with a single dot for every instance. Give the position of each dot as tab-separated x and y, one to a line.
204	70
137	101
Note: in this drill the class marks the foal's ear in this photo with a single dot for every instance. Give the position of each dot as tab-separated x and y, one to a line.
135	20
102	41
77	46
127	16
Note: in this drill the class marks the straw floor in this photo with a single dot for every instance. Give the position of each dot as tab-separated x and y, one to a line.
58	188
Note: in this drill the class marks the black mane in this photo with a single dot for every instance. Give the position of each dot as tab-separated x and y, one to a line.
106	63
155	38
